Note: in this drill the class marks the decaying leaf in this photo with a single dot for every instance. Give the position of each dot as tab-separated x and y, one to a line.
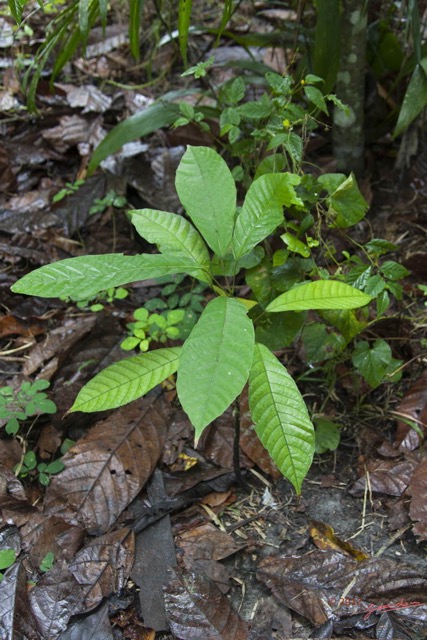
413	407
103	566
324	538
54	599
16	619
198	610
43	534
418	490
94	626
108	467
14	505
386	476
217	442
314	584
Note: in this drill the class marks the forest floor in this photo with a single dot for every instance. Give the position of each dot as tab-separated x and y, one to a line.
196	552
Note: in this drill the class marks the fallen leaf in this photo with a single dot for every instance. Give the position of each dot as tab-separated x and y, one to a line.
103	566
95	626
324	538
108	467
16	619
43	534
198	610
418	509
413	407
385	476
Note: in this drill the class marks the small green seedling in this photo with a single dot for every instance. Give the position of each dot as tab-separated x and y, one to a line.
47	562
21	404
152	327
111	199
42	470
68	190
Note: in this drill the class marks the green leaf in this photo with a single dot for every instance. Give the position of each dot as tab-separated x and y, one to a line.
345	201
345	321
156	116
319	343
16	7
215	361
326	53
373	362
127	380
327	435
415	98
47	562
295	245
262	211
55	467
84	16
207	191
135	13
316	97
394	271
175	235
321	294
278	330
280	415
84	277
184	21
7	558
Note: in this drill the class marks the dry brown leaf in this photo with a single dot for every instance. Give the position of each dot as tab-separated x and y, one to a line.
207	543
108	467
217	443
14	505
198	610
324	538
418	490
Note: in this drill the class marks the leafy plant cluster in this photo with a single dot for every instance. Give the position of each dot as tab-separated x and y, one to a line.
17	405
223	246
41	470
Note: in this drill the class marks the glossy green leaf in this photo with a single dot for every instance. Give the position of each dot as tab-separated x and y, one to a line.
314	95
174	234
127	380
280	415
135	14
262	210
207	191
158	115
321	294
345	201
415	98
83	277
215	361
184	21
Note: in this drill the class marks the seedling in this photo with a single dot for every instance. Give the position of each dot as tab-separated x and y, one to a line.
7	558
152	327
18	405
42	470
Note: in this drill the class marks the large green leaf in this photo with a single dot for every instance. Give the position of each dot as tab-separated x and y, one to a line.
262	209
415	98
127	380
215	361
83	277
326	53
207	191
373	362
321	294
173	233
345	201
280	416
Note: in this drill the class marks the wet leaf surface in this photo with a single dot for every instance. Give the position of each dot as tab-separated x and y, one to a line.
197	610
418	508
108	467
16	619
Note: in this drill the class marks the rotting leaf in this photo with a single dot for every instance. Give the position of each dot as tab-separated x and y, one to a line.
313	585
206	542
14	505
388	628
385	476
108	467
418	490
197	610
54	599
412	408
324	538
43	534
95	626
16	619
103	566
217	442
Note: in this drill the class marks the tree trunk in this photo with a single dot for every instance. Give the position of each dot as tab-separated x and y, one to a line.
348	133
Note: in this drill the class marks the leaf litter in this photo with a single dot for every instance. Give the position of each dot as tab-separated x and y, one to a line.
95	513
